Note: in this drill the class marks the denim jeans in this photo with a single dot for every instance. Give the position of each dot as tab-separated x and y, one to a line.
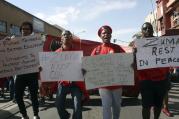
11	88
111	99
61	98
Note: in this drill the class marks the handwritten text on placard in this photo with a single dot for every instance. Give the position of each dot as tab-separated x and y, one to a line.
61	66
20	55
108	70
157	52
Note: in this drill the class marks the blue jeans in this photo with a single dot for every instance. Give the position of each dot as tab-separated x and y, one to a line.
61	98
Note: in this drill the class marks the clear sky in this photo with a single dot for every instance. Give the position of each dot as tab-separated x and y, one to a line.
84	17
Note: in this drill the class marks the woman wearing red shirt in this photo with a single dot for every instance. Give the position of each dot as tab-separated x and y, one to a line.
111	95
153	83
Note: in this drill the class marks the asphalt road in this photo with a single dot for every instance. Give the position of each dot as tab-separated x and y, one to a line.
131	108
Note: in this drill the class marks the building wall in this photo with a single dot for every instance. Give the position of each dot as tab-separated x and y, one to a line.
168	15
13	15
152	18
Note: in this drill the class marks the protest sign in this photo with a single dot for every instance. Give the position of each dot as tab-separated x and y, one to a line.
157	52
108	70
20	55
61	66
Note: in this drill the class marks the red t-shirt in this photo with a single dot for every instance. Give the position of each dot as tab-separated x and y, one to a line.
154	74
107	48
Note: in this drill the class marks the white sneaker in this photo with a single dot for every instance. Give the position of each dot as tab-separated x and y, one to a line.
25	117
36	117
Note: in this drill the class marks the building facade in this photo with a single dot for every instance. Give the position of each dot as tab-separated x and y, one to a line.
152	18
168	17
11	18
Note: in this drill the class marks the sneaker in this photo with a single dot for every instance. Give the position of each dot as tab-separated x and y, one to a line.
36	117
26	117
166	112
68	115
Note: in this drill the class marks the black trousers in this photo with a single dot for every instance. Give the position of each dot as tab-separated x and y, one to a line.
31	81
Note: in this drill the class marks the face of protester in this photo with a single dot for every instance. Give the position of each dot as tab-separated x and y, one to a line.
105	35
26	30
67	38
147	30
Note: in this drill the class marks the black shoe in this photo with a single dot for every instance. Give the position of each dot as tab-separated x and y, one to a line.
68	115
42	100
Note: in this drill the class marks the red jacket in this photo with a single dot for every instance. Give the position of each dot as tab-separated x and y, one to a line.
107	48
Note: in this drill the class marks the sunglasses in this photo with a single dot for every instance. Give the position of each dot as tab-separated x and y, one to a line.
145	28
26	29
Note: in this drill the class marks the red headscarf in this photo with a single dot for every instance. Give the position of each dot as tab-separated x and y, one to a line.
104	27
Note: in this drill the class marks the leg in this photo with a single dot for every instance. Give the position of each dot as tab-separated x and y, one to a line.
49	90
165	101
2	92
160	93
20	87
106	97
33	88
146	113
77	99
157	112
60	101
165	109
42	92
116	103
146	88
11	88
4	83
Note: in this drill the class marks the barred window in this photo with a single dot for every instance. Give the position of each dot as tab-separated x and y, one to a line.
15	30
175	18
3	26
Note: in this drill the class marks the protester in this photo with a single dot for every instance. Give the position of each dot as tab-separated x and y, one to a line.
153	83
111	95
54	45
176	73
75	88
165	109
30	80
2	86
11	88
47	89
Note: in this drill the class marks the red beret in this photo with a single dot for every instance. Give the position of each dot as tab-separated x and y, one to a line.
104	27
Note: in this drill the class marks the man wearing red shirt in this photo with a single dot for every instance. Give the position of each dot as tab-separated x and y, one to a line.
153	83
111	95
75	88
